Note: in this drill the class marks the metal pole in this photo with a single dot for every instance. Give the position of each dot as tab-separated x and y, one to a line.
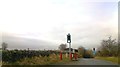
69	49
70	55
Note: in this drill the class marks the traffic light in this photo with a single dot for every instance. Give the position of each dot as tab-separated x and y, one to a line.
68	38
94	49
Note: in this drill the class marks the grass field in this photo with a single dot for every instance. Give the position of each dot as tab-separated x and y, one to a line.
112	59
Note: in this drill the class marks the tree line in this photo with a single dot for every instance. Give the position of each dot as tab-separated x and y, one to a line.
109	47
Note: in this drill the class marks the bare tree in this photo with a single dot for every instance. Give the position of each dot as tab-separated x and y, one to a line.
4	46
62	46
109	47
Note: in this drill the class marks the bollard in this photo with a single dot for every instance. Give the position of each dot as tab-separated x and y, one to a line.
70	56
66	55
75	56
60	55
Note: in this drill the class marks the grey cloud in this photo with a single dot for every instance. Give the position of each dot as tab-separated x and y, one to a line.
24	43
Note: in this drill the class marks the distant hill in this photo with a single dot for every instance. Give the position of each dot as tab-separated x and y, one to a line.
24	43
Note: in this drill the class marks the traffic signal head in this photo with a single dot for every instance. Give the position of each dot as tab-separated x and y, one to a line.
68	38
94	49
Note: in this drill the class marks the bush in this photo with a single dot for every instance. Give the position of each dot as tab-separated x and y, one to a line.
16	55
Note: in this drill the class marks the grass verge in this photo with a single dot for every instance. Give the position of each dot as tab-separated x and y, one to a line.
112	59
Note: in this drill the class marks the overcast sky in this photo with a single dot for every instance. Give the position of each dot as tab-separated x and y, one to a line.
51	20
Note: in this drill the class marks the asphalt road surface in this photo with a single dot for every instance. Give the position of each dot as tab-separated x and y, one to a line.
91	61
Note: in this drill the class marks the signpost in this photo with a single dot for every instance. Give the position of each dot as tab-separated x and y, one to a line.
69	41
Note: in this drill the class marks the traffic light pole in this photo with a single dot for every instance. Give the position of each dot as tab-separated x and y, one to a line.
69	48
70	54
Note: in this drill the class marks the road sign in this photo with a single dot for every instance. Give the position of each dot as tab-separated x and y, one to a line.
94	52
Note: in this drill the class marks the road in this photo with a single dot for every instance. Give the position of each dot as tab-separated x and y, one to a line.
91	61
